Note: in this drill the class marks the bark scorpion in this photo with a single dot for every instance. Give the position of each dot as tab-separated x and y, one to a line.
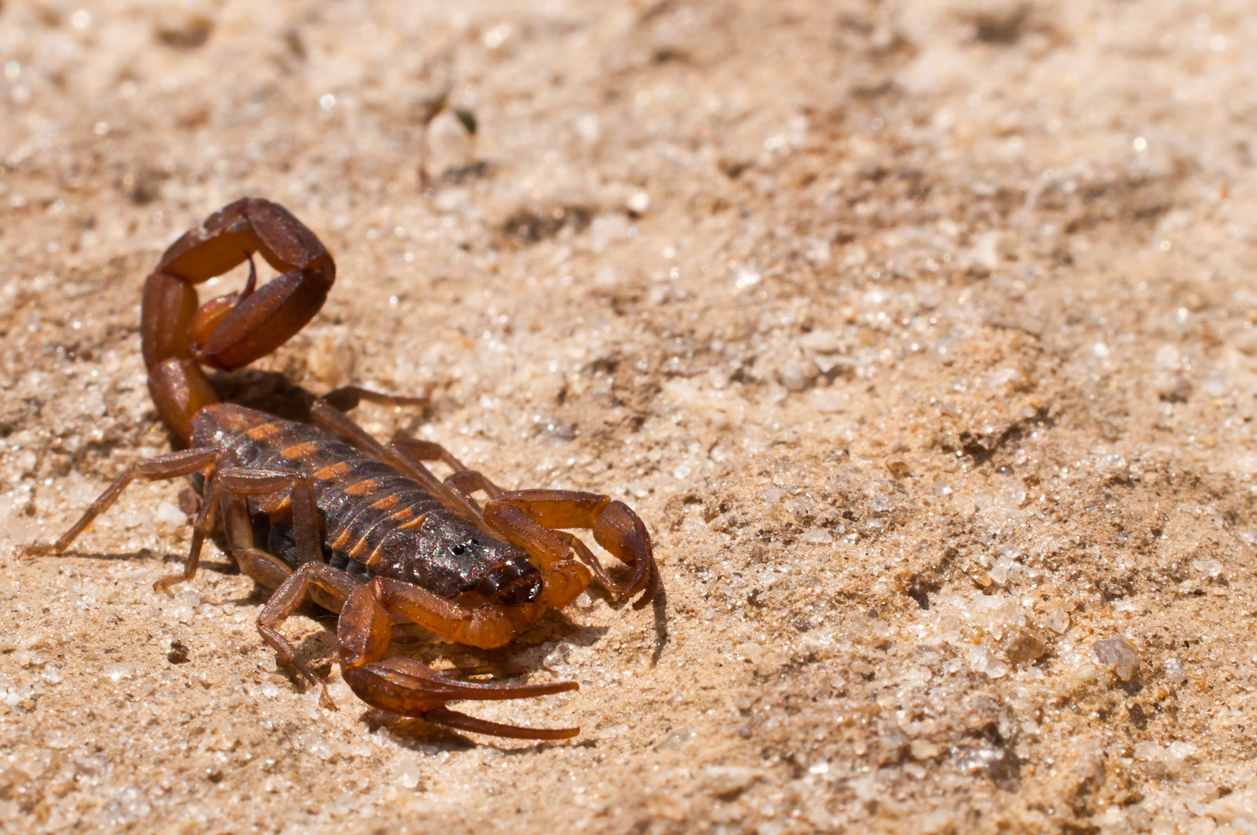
321	511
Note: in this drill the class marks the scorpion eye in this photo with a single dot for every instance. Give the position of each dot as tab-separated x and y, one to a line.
460	548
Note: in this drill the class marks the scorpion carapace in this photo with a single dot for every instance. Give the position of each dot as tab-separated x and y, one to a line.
322	511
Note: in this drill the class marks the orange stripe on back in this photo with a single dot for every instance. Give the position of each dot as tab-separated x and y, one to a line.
297	452
332	471
385	503
413	523
263	431
362	488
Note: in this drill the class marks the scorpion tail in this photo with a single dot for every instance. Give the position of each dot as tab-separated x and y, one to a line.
179	334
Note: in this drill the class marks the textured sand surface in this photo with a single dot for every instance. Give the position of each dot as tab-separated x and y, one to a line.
922	335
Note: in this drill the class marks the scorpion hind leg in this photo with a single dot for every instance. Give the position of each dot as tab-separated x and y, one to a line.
170	465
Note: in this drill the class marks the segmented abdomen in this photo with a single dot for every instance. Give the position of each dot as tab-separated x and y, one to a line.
363	502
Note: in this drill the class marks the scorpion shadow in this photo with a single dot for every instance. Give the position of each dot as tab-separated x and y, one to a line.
428	738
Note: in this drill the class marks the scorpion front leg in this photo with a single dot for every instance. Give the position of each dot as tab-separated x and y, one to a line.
313	579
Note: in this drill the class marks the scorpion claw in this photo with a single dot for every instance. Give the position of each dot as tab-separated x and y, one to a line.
409	688
463	722
648	588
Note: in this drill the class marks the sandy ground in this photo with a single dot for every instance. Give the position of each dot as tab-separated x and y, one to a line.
921	334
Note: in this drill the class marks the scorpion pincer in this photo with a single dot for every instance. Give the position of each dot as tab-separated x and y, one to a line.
322	511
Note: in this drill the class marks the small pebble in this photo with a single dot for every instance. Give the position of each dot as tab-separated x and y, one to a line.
168	516
1024	647
1119	656
817	536
922	749
182	29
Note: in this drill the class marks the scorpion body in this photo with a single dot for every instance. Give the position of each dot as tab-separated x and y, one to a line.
378	522
322	511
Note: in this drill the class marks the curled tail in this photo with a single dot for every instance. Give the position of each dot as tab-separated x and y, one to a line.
179	334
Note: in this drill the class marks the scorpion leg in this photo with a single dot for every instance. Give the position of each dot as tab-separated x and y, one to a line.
336	587
615	527
242	481
463	480
313	577
271	572
169	465
408	687
265	569
347	398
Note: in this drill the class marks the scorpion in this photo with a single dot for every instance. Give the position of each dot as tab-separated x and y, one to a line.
319	510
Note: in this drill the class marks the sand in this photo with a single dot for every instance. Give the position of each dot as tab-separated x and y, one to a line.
920	334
